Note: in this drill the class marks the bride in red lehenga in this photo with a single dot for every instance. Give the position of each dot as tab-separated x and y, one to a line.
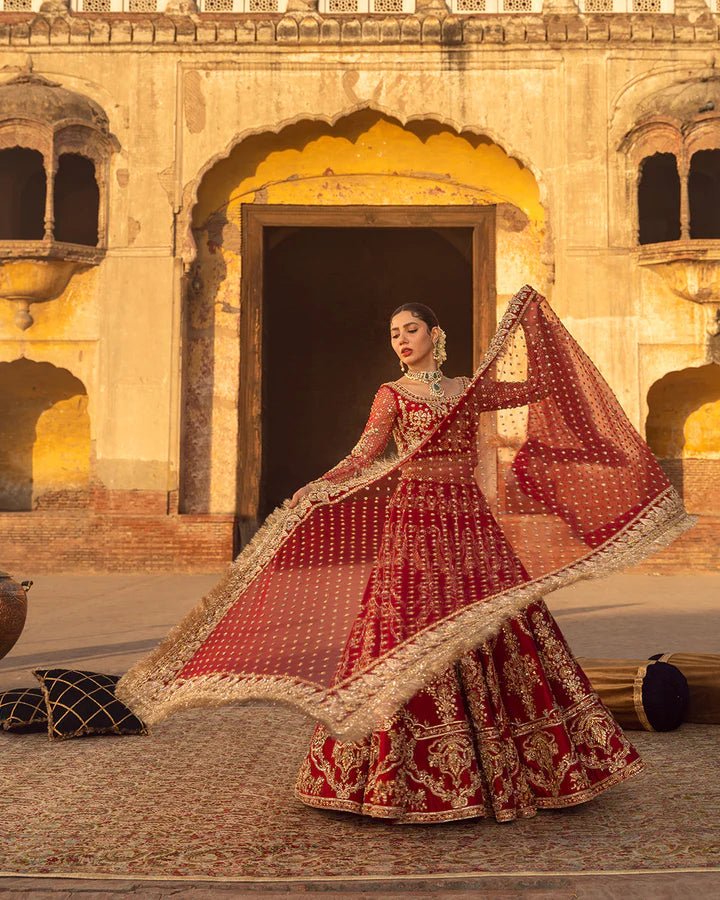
391	603
514	725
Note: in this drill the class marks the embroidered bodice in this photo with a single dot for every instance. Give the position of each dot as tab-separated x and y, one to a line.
416	416
405	416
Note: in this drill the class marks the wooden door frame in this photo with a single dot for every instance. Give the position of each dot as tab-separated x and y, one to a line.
255	219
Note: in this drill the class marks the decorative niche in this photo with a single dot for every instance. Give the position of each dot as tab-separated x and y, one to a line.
673	180
55	149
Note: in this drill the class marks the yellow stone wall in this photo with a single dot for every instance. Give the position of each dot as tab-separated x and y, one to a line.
535	129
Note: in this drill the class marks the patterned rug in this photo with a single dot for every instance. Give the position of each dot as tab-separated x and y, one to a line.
208	794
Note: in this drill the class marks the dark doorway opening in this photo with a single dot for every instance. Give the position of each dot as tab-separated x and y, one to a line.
659	199
318	285
23	189
328	296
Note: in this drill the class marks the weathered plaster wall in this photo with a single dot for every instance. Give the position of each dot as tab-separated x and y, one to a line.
201	129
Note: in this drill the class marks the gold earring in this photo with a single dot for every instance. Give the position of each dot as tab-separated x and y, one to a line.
439	353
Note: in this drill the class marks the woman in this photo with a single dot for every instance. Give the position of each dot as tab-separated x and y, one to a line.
515	724
392	604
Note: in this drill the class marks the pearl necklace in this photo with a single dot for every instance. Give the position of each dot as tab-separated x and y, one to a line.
432	378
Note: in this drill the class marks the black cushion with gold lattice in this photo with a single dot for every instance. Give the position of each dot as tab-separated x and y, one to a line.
80	703
23	709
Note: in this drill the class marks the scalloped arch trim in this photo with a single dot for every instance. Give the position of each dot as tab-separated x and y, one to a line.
366	156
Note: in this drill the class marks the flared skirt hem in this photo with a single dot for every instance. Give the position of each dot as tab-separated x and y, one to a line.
399	816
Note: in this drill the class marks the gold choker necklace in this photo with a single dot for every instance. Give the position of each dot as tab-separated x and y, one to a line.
432	378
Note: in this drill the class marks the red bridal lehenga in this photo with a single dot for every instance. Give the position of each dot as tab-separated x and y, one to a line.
402	607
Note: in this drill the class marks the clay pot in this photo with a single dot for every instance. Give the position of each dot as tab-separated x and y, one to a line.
13	609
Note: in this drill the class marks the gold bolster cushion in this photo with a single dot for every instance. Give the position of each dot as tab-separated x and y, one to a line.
640	693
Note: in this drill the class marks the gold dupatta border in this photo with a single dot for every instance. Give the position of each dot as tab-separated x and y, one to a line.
377	693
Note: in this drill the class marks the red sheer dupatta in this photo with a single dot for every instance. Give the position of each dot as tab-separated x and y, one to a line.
579	494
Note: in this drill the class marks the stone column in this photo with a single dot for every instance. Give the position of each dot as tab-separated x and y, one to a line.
55	7
302	6
50	169
684	173
181	8
101	179
694	11
432	6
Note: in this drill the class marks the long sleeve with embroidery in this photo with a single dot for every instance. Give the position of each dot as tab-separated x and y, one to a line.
507	394
373	440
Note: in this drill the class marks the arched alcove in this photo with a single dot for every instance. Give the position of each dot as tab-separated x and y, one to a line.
683	430
673	401
44	434
77	200
364	160
23	189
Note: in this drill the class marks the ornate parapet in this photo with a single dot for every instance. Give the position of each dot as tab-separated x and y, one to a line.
690	8
334	22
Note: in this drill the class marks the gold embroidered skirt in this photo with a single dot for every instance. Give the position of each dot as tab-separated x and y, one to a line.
513	727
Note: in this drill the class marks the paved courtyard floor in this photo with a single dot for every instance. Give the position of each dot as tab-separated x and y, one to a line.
107	622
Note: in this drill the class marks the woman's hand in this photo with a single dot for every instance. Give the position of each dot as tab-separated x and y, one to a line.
298	495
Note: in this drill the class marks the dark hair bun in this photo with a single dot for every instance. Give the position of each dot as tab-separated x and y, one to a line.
420	311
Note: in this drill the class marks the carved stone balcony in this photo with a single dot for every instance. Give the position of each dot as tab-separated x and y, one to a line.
691	269
55	147
36	271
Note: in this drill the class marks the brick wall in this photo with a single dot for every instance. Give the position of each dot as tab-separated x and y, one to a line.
128	531
141	531
698	483
698	550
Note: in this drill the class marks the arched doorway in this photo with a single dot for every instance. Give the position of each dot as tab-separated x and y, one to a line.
328	286
366	160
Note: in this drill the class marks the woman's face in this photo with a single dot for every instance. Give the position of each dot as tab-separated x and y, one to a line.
412	340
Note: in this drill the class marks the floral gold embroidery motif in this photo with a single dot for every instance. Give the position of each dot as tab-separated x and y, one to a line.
519	672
